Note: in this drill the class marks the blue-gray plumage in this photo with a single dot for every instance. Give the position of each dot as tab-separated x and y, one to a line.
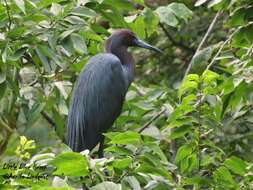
100	91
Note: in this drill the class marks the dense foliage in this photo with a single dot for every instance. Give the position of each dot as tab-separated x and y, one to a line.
187	120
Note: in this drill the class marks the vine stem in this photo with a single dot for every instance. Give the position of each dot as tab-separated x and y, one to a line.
208	32
8	13
199	127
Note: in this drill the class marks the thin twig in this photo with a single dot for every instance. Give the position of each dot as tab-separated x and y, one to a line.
8	13
209	30
48	118
215	57
155	117
221	48
200	46
174	41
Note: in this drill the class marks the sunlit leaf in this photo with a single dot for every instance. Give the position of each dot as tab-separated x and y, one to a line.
21	5
70	164
236	165
107	185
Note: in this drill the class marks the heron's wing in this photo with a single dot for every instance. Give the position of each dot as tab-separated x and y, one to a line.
97	101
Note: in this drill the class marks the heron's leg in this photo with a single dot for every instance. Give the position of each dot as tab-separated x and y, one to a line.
101	148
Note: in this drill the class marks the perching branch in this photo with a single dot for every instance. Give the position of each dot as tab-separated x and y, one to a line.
174	41
208	32
8	13
155	117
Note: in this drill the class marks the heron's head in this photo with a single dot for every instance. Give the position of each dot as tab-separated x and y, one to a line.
126	38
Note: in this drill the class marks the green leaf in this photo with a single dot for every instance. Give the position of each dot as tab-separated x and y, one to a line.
180	132
236	164
241	16
209	76
159	171
128	137
66	34
43	58
200	60
184	151
214	2
122	163
41	159
21	5
83	2
83	11
167	16
34	114
79	44
70	164
118	150
181	11
107	185
56	9
224	177
4	53
189	84
227	86
131	182
200	2
64	87
2	77
18	53
243	38
138	27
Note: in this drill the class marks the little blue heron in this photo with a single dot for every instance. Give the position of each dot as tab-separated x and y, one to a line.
100	91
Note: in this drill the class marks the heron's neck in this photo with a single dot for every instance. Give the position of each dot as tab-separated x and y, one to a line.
117	48
125	57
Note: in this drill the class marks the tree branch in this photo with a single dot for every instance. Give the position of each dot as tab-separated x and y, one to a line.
208	32
155	117
221	48
174	41
48	118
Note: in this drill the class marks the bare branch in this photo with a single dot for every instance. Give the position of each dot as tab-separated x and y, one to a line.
208	32
155	117
221	48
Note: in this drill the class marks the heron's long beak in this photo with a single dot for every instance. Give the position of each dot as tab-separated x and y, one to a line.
143	44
